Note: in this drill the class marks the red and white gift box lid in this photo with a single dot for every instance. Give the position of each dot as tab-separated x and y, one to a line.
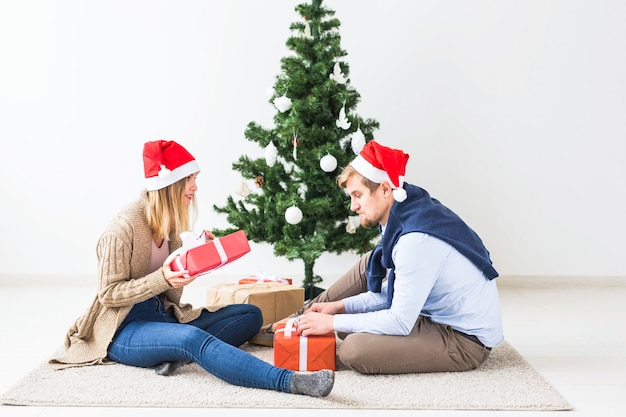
262	277
200	257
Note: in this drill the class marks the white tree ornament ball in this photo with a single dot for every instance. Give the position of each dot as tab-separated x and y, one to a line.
328	163
293	215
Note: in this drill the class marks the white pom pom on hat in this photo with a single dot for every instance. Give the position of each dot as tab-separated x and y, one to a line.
379	163
166	162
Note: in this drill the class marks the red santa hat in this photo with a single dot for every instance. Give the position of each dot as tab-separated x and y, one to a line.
379	163
165	162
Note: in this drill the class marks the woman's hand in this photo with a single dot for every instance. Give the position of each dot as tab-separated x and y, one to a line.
176	279
208	235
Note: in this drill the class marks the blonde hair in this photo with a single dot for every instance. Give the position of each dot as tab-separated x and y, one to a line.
348	172
167	213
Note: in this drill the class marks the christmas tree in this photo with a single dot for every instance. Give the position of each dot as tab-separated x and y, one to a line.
293	201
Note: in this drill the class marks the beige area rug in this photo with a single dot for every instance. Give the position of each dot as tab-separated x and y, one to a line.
504	382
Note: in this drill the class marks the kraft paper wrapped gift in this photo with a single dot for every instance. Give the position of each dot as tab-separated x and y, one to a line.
276	300
303	353
200	257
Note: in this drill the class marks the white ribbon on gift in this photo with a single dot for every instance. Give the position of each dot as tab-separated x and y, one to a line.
261	277
290	327
190	241
221	252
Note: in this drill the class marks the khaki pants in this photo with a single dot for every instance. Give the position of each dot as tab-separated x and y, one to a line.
430	347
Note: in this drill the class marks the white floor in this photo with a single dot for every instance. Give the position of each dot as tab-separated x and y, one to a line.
572	331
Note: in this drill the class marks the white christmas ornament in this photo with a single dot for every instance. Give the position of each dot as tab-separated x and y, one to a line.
307	31
282	103
293	215
243	190
328	163
271	154
358	141
343	121
353	223
295	147
337	75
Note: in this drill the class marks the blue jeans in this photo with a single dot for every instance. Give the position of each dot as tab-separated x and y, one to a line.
149	335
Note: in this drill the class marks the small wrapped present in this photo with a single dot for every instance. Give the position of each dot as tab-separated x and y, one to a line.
200	257
303	353
261	277
275	300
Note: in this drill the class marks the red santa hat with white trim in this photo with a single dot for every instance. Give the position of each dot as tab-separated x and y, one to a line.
165	162
379	163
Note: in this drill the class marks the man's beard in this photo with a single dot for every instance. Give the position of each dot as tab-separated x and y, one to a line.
368	223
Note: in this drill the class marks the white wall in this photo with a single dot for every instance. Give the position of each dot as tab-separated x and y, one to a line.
513	113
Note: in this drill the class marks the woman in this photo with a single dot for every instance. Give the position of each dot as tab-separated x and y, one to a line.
137	318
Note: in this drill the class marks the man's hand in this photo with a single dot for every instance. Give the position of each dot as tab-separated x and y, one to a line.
318	319
333	307
312	323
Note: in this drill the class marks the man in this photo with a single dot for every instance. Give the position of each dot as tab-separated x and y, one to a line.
425	299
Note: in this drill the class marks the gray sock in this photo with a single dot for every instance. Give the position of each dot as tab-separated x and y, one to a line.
315	384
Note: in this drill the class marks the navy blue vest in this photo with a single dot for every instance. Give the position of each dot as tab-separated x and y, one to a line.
422	213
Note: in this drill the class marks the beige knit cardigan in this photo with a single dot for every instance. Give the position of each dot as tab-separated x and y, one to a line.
123	252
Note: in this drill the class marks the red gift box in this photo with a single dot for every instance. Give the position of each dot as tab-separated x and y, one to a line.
261	279
303	353
210	256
